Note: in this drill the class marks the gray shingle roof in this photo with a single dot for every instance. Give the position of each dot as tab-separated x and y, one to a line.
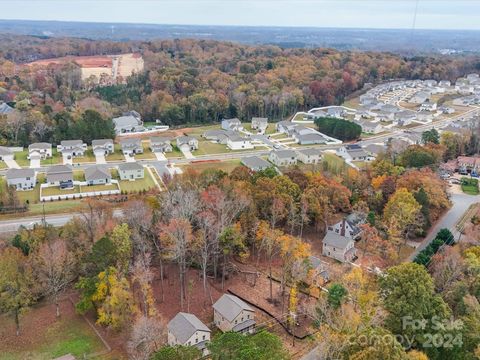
255	162
59	173
20	173
39	146
284	154
101	142
123	121
130	166
185	140
159	140
72	143
230	306
333	239
310	152
184	325
96	172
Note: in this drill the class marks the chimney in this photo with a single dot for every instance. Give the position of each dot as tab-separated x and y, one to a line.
342	230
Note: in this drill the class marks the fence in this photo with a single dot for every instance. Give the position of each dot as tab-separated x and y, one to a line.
78	195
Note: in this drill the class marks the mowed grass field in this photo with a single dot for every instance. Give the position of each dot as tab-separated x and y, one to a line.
42	336
226	166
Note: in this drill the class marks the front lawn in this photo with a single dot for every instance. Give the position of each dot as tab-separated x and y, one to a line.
56	158
470	186
147	153
3	165
117	154
176	153
89	157
21	158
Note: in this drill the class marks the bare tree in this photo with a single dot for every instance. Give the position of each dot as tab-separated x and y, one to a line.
146	336
55	267
143	277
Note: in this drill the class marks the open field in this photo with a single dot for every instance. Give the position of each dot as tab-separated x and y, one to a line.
42	336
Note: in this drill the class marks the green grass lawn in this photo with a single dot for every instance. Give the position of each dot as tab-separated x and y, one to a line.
3	165
78	175
117	154
90	188
55	190
21	158
226	166
87	158
138	185
147	153
53	207
470	186
55	159
199	130
206	147
68	335
176	153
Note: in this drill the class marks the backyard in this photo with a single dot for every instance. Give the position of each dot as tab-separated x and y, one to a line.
226	166
135	186
46	337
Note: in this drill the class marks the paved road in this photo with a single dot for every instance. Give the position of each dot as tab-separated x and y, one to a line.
460	203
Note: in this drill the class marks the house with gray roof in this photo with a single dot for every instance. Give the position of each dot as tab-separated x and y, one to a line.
375	149
131	171
5	153
237	142
284	126
319	268
72	148
97	175
232	124
349	226
217	135
309	156
21	179
338	247
131	146
260	124
60	175
6	109
103	146
160	144
187	330
283	157
230	313
128	123
187	142
255	163
352	152
40	150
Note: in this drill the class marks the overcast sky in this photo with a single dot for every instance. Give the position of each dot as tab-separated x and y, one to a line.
431	14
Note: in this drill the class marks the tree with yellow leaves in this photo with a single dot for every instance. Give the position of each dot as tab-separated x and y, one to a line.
143	276
115	298
292	311
120	237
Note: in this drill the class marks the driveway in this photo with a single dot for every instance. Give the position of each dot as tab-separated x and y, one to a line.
67	161
187	153
160	156
34	163
12	164
100	158
129	158
460	203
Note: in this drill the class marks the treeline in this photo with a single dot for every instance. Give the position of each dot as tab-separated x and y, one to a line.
201	81
338	128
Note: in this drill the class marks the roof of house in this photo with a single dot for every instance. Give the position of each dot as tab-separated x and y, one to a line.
159	140
39	146
20	173
243	325
232	121
184	325
185	140
230	306
5	151
126	120
254	162
375	149
311	137
101	142
310	152
128	142
70	143
129	166
336	240
259	119
236	137
284	154
59	173
96	172
5	109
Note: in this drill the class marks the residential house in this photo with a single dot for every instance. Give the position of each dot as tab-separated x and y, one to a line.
284	126
260	124
232	124
318	271
60	175
103	146
218	136
187	330
230	313
160	144
352	152
336	112
404	118
131	146
369	127
446	109
72	148
468	164
5	153
424	116
349	226
6	109
131	171
127	123
419	97
187	143
40	150
283	157
375	149
22	179
237	142
306	136
255	163
428	106
97	175
338	247
444	83
309	156
430	83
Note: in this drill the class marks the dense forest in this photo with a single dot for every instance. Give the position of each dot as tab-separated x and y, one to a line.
198	81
